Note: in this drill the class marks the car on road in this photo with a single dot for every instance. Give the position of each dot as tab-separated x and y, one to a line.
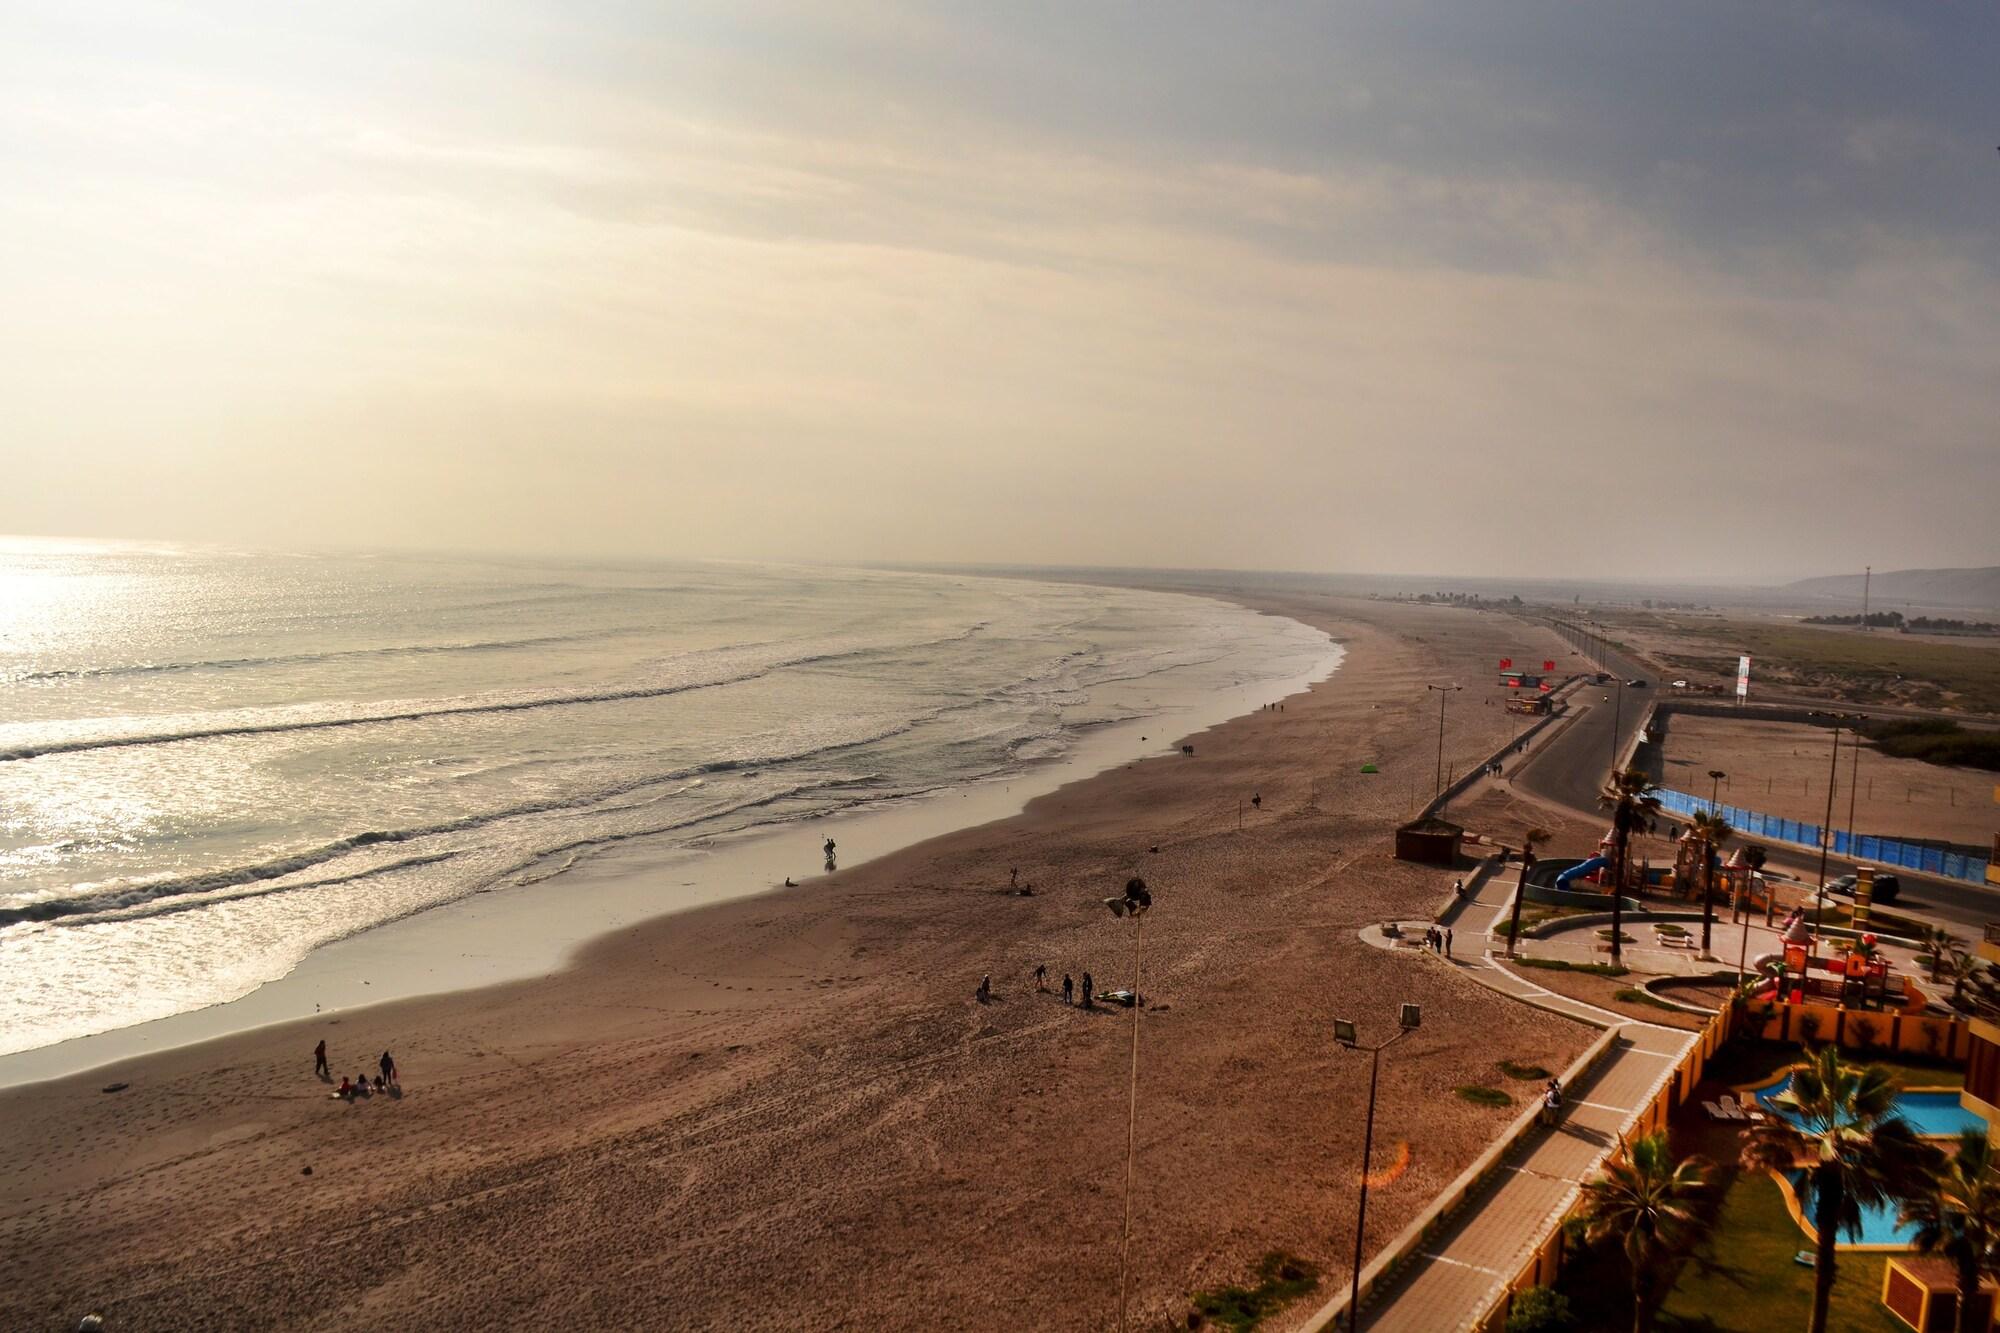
1635	684
1887	887
1680	684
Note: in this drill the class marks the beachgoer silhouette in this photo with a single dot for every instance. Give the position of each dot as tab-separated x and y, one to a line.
788	883
828	849
320	1066
985	991
346	1087
1041	976
1069	989
1014	878
1257	800
1447	941
1088	987
388	1063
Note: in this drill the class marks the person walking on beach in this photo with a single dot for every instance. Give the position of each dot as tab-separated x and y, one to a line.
1088	986
320	1066
1041	977
1069	989
388	1063
1014	878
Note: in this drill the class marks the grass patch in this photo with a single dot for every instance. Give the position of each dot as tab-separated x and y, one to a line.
1564	965
1623	938
1741	1278
1633	995
1281	1279
1859	666
1671	928
1512	1070
1479	1096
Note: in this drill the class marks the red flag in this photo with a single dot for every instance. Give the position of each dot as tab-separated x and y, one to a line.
1506	662
1548	666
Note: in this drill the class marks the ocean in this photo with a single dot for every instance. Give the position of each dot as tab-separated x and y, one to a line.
214	762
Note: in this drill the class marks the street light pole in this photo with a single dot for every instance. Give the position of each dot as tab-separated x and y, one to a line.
1826	832
1442	691
1134	904
1715	777
1344	1033
1617	721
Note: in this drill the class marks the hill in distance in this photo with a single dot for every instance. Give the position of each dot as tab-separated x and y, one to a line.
1971	589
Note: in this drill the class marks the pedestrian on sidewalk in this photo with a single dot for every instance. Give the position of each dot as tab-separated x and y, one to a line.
1447	941
1458	888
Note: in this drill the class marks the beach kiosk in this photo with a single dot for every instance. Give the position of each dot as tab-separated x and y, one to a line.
1429	841
1922	1291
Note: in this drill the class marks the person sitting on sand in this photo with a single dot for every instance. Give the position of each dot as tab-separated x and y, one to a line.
346	1088
985	991
361	1085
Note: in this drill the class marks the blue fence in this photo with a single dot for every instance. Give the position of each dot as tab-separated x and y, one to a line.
1861	847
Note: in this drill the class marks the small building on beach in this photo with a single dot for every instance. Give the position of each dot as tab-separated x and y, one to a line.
1429	841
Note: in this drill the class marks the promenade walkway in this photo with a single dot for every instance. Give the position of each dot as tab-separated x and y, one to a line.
1461	1270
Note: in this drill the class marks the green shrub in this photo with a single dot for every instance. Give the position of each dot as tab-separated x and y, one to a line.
1282	1278
1481	1096
1564	965
1513	1070
1539	1310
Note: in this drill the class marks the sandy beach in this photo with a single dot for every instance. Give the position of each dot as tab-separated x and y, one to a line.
789	1111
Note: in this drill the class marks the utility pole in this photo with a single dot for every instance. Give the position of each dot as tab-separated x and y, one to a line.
1867	576
1442	691
1826	832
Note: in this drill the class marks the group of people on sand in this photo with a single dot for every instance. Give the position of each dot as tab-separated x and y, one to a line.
352	1089
984	992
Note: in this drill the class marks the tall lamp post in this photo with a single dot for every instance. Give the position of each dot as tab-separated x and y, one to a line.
1826	832
1715	777
1344	1033
1442	692
1135	903
1617	721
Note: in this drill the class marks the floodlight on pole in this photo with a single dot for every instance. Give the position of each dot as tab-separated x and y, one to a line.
1135	903
1408	1019
1443	691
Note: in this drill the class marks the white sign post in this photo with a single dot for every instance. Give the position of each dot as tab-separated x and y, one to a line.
1743	676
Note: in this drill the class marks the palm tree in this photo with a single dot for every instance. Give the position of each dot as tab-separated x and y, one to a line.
1629	797
1939	944
1711	831
1855	1148
1959	1214
1533	838
1645	1196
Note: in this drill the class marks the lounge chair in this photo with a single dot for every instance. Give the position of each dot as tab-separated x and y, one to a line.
1715	1112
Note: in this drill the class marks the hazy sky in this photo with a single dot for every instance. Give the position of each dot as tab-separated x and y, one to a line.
1674	289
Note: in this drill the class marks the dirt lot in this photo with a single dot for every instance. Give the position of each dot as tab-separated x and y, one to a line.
1780	768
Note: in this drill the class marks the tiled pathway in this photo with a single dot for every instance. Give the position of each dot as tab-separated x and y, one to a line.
1457	1276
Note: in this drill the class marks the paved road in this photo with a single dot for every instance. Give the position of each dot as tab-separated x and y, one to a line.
1569	770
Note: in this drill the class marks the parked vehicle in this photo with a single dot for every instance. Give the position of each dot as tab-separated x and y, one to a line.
1680	684
1886	887
1635	684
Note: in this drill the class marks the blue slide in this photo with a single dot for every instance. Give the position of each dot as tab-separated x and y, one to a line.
1579	870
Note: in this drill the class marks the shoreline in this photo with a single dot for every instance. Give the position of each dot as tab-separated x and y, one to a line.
726	1115
529	930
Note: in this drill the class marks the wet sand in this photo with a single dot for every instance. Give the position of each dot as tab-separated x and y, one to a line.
788	1111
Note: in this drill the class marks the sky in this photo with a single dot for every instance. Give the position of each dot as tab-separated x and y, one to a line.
1688	291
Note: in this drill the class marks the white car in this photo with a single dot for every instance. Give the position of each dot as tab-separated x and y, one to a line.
1680	684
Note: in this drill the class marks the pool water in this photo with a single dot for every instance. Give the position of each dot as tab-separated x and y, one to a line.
1878	1224
1936	1115
1931	1114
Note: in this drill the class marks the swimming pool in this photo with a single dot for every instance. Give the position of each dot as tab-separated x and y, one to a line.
1936	1115
1931	1114
1878	1224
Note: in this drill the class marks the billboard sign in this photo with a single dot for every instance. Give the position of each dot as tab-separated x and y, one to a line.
1743	676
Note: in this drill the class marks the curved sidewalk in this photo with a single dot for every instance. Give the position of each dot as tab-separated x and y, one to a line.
1462	1270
